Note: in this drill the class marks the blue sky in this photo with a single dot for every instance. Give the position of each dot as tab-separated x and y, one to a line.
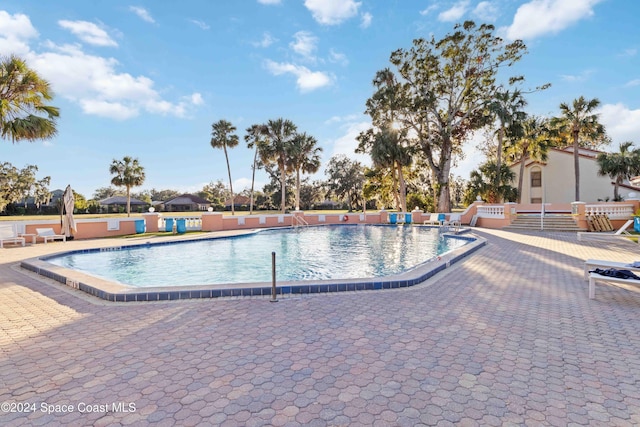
148	78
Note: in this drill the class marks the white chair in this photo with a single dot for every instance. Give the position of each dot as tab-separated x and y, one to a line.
9	233
454	220
590	264
48	234
434	219
595	277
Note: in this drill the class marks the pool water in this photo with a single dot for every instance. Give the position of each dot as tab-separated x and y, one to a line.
306	253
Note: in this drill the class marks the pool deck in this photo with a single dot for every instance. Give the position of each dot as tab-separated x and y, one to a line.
507	336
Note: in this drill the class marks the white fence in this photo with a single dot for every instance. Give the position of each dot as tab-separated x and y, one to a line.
491	212
616	211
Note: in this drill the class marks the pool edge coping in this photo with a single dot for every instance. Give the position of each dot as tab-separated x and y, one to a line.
115	292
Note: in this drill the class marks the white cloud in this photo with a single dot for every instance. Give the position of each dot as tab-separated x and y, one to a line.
266	41
541	17
428	10
332	12
15	32
114	110
306	81
629	52
338	57
269	1
578	78
454	13
88	32
486	11
196	99
304	44
90	81
632	83
142	13
200	24
621	123
98	88
347	143
366	20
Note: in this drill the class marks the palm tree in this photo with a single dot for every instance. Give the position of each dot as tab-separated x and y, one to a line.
222	136
128	173
254	139
303	156
578	120
279	134
482	183
23	113
622	165
533	142
386	151
506	107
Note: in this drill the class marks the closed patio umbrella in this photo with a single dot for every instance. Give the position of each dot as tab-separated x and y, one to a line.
69	224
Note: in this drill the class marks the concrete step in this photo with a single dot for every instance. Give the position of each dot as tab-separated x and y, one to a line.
550	223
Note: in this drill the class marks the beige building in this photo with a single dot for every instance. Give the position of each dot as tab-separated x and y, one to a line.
553	181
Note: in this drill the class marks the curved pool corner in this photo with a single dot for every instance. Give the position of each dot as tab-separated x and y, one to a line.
116	292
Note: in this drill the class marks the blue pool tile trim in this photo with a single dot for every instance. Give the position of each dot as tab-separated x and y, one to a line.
218	292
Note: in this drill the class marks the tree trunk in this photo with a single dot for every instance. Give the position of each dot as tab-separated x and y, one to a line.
283	183
233	212
443	191
253	179
403	189
297	189
394	184
521	177
576	163
499	161
128	201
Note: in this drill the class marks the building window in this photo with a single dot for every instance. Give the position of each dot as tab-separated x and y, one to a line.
536	178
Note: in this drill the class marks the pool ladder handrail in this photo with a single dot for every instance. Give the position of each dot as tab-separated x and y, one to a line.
298	221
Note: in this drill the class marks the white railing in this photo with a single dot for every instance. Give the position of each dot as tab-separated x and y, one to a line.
298	221
616	211
490	212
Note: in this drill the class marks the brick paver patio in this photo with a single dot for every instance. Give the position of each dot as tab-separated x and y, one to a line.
506	337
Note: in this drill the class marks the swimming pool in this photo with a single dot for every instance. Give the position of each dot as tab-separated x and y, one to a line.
308	253
309	259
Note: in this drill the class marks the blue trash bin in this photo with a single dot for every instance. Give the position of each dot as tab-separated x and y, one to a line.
636	223
181	226
168	224
407	218
393	218
140	226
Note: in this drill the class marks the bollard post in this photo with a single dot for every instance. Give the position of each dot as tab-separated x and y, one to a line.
273	277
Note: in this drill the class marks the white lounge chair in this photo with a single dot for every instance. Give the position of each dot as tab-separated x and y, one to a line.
595	277
48	234
9	233
590	264
434	219
454	220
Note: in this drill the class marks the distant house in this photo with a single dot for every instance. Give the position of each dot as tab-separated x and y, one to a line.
186	203
553	181
114	203
239	202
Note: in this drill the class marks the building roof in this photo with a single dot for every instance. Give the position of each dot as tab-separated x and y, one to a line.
187	199
587	153
238	200
120	200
